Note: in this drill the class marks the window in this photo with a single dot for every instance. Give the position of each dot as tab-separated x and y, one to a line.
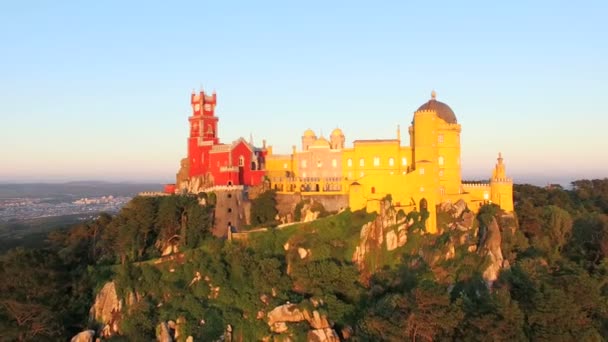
285	165
391	162
440	138
376	161
319	163
241	161
350	175
304	163
349	162
361	162
440	172
334	163
486	196
403	161
421	170
229	195
421	189
362	174
229	210
441	160
442	191
304	174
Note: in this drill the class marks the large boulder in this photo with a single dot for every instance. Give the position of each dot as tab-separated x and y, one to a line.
106	309
316	320
285	313
84	336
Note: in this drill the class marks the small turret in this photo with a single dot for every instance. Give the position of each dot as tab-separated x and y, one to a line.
337	139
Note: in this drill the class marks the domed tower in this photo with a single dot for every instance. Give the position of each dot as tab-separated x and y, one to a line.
337	139
308	138
437	139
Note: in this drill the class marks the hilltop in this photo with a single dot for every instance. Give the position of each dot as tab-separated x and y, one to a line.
156	270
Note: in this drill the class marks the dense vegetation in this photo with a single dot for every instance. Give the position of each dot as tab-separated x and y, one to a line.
556	287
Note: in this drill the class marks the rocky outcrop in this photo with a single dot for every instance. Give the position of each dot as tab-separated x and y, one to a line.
490	246
374	233
285	313
84	336
321	327
322	335
106	309
163	334
392	241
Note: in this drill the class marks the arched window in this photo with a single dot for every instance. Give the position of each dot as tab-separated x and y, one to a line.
421	170
376	161
361	162
304	163
391	161
334	163
403	161
441	160
319	163
349	162
241	161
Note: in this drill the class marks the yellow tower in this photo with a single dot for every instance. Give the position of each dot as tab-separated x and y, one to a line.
501	186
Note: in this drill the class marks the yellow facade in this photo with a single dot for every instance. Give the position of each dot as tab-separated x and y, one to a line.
426	173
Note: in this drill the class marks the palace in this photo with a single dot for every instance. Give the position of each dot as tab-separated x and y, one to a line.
421	176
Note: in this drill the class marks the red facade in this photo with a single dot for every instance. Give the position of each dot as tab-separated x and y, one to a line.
238	163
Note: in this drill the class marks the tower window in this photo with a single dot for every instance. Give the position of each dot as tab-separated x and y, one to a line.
421	170
285	165
334	163
361	162
349	162
304	163
404	161
440	138
441	160
376	161
241	161
391	161
319	163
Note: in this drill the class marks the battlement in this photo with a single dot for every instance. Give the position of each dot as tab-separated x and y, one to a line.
220	188
476	185
203	98
152	194
502	180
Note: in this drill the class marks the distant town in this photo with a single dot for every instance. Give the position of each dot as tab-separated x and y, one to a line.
20	209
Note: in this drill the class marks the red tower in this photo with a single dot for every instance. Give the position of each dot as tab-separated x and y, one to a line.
203	131
210	162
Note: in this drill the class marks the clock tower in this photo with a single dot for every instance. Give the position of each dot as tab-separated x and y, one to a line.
203	132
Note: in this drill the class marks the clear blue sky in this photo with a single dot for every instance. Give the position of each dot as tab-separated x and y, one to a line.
100	90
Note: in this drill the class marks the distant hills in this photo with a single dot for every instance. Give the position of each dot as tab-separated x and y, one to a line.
77	189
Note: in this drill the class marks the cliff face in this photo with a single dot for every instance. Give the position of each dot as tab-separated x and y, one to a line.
106	310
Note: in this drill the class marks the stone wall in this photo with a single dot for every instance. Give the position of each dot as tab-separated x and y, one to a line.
286	203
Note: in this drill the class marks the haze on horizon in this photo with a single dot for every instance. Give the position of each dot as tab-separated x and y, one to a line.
101	91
